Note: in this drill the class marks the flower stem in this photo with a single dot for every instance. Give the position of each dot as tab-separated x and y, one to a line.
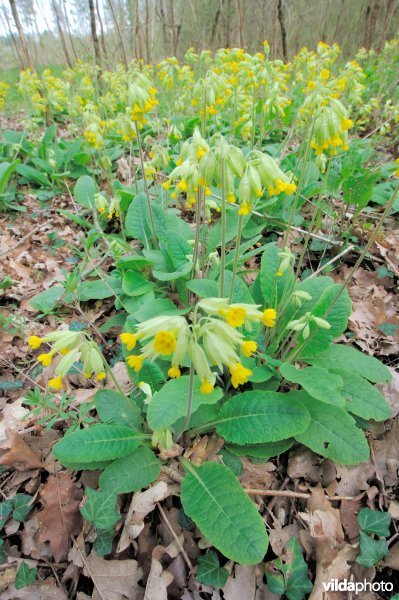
189	403
236	255
146	186
223	234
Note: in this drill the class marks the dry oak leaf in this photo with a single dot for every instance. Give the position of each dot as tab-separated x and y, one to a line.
60	517
18	451
113	579
157	583
392	559
242	585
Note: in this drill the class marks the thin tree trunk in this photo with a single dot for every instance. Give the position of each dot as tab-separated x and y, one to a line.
66	20
61	33
118	29
228	25
21	35
282	27
216	24
102	37
172	26
96	46
240	24
372	14
147	31
13	38
275	30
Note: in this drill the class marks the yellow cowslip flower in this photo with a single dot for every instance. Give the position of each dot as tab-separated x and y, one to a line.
46	359
396	173
325	74
55	383
248	348
200	152
182	186
129	340
239	374
101	375
346	124
231	198
206	387
164	342
166	185
35	342
245	208
174	372
135	361
235	316
269	317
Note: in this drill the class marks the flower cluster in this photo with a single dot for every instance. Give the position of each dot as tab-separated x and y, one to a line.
73	346
211	340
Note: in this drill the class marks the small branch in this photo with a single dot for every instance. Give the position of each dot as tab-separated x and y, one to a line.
304	495
23	239
333	260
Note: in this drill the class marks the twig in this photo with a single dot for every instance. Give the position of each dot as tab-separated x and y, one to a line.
304	495
23	239
88	570
330	262
172	531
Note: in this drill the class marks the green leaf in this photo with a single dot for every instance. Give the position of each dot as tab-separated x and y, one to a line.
214	234
374	521
135	284
337	317
97	443
25	576
133	262
231	461
210	572
103	542
84	191
47	300
136	221
99	289
362	398
154	308
332	432
241	292
170	403
264	451
21	507
131	473
371	551
274	287
33	175
214	499
6	170
339	356
178	249
2	553
203	288
294	569
172	275
5	511
257	417
99	508
318	382
85	466
114	408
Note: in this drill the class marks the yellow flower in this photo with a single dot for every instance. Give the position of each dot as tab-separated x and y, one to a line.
129	339
231	198
245	208
101	375
164	342
182	186
346	124
55	383
35	342
166	185
174	372
200	153
46	359
206	387
239	374
279	273
269	317
248	347
324	74
135	362
235	316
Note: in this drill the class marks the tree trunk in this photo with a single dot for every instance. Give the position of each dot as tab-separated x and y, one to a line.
66	20
13	38
275	30
118	29
96	46
103	46
372	14
282	27
21	35
61	33
240	24
147	31
228	25
216	24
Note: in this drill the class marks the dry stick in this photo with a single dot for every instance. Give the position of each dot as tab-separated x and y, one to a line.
304	495
23	239
330	262
172	531
88	570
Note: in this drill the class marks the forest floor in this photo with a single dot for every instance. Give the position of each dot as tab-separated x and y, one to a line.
35	250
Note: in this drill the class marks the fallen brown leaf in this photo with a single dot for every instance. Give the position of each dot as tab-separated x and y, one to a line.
60	517
18	451
113	579
158	581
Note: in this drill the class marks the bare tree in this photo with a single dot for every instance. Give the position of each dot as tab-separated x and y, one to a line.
215	26
61	33
96	46
118	29
240	24
102	36
13	38
282	27
21	35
